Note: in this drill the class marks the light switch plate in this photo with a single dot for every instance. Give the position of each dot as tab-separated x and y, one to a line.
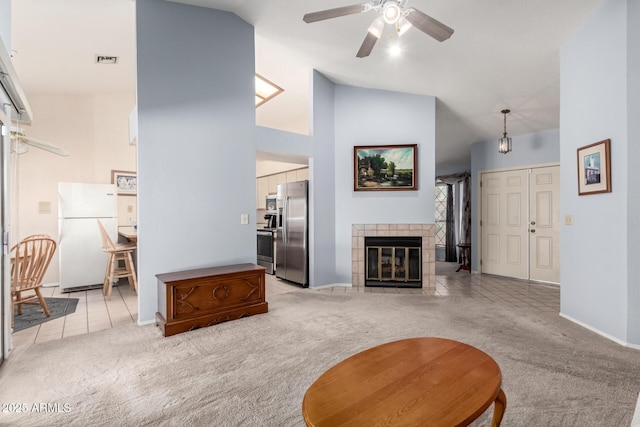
244	219
568	219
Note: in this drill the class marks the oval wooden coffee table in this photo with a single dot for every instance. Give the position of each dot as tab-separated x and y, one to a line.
417	381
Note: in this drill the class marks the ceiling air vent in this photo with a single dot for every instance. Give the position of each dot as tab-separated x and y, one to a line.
105	59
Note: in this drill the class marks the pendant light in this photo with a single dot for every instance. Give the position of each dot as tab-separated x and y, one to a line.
504	143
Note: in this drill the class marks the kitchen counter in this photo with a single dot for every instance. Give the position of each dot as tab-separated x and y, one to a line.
273	230
130	233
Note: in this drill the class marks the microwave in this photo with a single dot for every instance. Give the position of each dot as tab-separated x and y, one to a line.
271	203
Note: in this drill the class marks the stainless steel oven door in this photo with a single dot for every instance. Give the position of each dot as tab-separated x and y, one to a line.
265	250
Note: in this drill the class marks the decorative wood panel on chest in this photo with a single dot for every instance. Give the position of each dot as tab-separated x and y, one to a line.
194	299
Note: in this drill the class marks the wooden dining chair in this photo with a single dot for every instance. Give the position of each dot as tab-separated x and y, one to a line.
117	252
37	236
30	259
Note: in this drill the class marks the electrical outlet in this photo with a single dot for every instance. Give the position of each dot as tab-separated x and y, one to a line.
244	219
568	219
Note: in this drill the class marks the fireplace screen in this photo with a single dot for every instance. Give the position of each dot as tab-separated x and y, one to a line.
393	261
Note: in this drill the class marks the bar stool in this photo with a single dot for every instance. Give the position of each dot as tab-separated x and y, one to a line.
117	252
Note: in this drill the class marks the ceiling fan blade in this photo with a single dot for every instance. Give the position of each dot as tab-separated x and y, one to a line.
47	147
334	13
367	45
428	25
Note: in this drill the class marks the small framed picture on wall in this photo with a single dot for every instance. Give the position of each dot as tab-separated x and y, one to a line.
594	168
126	182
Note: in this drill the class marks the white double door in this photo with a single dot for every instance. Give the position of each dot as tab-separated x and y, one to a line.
520	223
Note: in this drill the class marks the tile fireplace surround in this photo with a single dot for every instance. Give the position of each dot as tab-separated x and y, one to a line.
426	231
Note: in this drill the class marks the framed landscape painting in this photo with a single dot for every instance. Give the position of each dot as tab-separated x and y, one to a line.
385	167
594	168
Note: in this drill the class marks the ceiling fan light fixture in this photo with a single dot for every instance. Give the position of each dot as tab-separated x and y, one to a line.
376	28
395	50
504	143
402	25
391	12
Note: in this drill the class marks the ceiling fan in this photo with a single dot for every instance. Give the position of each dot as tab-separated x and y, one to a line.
391	12
21	143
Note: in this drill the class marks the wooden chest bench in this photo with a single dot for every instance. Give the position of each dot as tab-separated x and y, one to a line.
194	299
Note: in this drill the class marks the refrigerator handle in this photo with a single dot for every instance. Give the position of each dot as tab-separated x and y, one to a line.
306	226
60	231
285	217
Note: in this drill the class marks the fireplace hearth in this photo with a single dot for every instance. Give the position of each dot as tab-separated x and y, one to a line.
393	261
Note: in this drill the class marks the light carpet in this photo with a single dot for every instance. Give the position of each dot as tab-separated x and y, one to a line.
255	371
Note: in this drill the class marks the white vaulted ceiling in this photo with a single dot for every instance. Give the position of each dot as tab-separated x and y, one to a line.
503	54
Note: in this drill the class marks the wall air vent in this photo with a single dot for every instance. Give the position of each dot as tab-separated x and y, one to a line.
105	59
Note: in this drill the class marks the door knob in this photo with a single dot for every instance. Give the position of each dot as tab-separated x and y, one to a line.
533	231
533	223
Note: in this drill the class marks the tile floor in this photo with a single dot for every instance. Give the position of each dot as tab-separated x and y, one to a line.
94	313
511	292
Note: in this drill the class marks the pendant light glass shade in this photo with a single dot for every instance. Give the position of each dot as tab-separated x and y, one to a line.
504	143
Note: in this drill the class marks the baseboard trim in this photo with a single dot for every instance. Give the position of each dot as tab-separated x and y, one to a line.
599	332
635	421
50	285
146	322
331	285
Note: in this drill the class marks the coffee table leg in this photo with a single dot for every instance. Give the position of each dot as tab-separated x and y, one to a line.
498	409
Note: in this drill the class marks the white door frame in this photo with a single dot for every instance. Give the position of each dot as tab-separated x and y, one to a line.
478	215
5	280
12	99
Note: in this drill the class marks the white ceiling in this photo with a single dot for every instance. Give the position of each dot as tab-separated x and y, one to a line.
503	54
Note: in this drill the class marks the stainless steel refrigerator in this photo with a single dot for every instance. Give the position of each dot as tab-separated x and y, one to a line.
292	237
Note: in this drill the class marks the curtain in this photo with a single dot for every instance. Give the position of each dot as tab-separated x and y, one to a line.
450	242
465	221
465	233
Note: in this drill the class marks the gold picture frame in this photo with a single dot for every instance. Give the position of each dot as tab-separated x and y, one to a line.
385	167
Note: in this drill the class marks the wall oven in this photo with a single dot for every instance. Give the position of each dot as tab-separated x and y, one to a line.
266	251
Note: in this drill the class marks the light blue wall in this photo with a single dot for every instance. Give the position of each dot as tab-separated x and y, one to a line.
322	168
5	23
594	106
196	151
281	142
528	150
451	170
633	197
375	117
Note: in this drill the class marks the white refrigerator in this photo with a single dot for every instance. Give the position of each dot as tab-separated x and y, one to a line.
82	260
